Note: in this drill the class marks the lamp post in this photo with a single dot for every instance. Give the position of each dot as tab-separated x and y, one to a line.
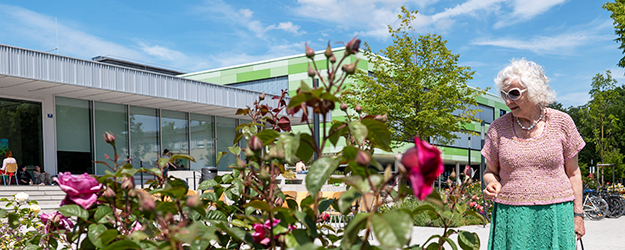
469	147
482	169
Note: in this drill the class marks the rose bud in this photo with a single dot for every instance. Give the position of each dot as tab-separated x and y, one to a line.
349	68
343	106
109	193
425	165
147	201
328	52
331	76
127	183
109	138
333	59
311	71
262	96
193	200
241	164
255	144
358	108
452	175
352	46
363	158
310	53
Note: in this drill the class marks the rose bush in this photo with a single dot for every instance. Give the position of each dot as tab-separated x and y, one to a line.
246	208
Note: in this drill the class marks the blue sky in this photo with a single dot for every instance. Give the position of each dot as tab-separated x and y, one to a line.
572	39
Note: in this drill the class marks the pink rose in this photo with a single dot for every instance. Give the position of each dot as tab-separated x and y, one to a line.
261	231
57	222
80	189
424	165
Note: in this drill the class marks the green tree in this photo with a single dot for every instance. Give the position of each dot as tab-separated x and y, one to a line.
601	119
418	82
618	15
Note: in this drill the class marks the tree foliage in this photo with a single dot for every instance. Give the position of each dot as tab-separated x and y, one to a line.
418	82
618	15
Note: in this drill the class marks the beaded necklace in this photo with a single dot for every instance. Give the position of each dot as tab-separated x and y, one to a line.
533	124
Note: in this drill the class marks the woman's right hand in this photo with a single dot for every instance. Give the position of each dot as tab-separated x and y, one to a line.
492	190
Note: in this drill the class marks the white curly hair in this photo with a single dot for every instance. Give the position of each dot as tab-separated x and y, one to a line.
531	76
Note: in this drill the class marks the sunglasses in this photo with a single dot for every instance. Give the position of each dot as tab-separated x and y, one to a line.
512	94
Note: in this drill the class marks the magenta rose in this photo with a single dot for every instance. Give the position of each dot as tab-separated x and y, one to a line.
56	222
261	231
80	189
424	165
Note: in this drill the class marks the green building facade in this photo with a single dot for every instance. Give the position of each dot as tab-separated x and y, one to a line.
273	75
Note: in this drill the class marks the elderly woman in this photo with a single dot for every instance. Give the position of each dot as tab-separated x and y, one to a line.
531	171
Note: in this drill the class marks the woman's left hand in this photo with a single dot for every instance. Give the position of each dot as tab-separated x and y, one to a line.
580	230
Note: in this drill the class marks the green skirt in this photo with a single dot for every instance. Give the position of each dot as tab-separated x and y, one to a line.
532	227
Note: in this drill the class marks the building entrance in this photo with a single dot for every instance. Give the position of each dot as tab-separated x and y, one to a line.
21	132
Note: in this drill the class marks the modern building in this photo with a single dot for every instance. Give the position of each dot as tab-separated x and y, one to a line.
273	75
54	110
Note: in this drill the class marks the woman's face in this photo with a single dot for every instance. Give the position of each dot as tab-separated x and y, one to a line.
522	106
37	168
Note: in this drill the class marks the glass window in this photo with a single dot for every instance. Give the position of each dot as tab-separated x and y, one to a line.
21	132
502	112
225	137
73	136
111	118
144	147
202	134
273	85
487	113
174	130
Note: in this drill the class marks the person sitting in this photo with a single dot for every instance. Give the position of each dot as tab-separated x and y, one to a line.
9	159
42	177
300	168
23	176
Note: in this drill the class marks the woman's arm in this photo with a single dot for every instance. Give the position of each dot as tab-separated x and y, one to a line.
491	181
575	177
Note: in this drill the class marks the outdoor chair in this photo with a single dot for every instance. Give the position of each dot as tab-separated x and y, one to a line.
11	170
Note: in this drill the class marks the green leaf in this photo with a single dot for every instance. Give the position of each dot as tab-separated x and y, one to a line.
237	233
319	172
291	145
267	136
100	236
307	246
324	204
305	150
347	199
74	210
423	208
435	199
162	162
235	150
14	220
219	155
207	184
237	138
3	213
123	244
358	223
101	213
349	153
296	238
378	134
305	219
359	131
468	240
461	208
181	156
392	229
258	204
334	138
474	214
214	216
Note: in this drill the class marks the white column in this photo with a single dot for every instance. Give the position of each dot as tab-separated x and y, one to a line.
457	172
48	109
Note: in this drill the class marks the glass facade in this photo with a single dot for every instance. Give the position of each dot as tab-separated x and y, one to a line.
73	136
141	134
273	85
225	138
175	131
111	118
202	130
144	146
21	132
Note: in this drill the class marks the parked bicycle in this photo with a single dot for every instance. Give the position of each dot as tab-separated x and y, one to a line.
595	207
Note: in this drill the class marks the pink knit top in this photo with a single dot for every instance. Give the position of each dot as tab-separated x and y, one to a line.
532	170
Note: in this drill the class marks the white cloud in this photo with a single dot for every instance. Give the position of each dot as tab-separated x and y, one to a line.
525	10
287	26
245	18
563	44
162	52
